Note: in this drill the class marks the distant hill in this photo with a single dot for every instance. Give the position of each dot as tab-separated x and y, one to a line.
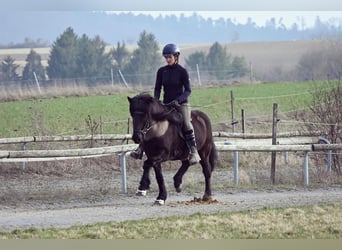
126	27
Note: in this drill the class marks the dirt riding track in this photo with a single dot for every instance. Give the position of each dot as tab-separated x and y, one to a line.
46	195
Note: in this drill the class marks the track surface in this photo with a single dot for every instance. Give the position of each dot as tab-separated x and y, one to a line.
62	196
129	207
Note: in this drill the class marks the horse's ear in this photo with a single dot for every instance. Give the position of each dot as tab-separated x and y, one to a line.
129	99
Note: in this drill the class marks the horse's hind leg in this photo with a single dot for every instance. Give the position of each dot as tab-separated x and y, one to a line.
177	179
145	179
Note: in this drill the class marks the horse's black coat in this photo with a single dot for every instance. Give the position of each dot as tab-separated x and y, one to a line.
148	113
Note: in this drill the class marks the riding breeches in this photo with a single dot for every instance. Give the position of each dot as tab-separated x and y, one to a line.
185	109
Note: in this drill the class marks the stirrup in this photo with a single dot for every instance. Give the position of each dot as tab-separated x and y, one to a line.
137	154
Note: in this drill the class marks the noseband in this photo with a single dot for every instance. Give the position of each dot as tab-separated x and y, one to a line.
147	126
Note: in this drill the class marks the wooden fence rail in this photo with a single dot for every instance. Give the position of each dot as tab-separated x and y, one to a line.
265	135
129	147
67	153
264	148
218	134
64	138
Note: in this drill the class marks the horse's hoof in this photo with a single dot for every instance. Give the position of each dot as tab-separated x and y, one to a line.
178	189
159	202
207	198
140	192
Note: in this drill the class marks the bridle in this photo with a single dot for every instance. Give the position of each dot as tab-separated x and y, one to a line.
147	126
148	123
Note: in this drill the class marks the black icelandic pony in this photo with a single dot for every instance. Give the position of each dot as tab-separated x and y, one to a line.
158	128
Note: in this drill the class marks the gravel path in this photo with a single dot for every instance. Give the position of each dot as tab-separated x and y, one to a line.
65	195
130	207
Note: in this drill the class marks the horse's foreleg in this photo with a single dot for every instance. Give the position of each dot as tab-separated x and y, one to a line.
177	179
161	185
145	179
206	169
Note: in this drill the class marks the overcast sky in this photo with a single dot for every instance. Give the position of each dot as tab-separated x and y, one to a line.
176	5
303	12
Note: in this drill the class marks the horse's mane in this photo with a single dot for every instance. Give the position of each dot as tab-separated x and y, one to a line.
157	110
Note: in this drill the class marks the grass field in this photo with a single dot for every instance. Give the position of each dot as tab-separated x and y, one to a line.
66	115
311	222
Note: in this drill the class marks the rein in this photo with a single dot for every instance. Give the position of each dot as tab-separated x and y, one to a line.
148	124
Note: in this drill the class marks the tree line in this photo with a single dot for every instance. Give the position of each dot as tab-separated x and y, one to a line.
83	58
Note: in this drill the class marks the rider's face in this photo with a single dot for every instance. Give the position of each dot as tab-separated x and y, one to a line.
170	59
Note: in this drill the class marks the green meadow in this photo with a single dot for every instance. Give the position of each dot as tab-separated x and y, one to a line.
66	115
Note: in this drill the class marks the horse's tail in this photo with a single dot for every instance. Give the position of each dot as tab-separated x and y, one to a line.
213	156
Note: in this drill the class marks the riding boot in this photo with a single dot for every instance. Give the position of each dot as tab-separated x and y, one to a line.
191	143
138	153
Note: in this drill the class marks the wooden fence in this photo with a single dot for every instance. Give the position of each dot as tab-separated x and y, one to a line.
222	145
219	134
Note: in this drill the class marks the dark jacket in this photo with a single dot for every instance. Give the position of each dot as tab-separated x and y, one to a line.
175	83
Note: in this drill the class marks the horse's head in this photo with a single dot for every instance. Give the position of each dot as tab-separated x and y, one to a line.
140	110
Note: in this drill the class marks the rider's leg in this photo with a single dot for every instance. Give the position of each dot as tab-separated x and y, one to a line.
189	134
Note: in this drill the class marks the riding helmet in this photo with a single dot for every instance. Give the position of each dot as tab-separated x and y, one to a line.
171	49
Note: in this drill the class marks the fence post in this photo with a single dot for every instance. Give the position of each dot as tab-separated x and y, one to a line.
123	79
37	82
232	110
236	167
122	157
198	75
128	122
306	168
112	76
23	148
329	154
236	164
286	157
274	141
101	125
243	122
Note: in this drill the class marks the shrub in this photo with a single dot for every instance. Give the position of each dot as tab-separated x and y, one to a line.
325	115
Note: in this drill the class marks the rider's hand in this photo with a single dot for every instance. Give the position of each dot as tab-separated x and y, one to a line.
175	104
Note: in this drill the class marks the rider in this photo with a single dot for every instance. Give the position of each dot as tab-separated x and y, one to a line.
175	82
